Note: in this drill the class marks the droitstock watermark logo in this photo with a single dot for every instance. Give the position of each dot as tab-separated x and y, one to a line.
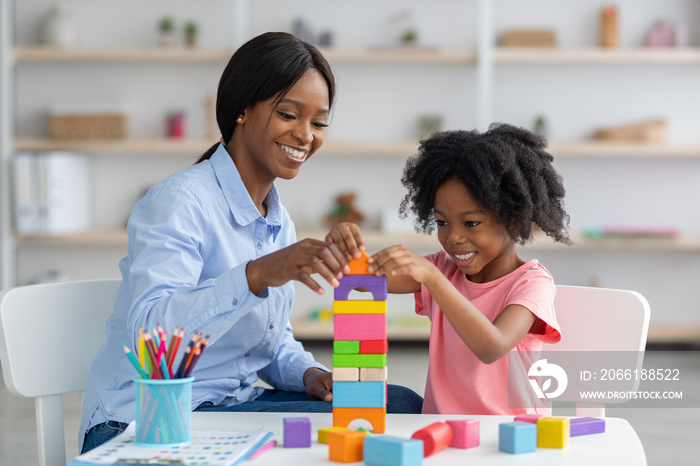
654	379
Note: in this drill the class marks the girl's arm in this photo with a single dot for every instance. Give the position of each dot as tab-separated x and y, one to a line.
489	341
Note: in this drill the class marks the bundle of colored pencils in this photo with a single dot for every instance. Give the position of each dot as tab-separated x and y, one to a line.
155	361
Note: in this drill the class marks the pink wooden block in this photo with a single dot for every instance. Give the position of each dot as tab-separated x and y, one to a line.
531	418
465	433
359	327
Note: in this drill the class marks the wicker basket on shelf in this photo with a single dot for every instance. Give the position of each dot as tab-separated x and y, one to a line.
87	126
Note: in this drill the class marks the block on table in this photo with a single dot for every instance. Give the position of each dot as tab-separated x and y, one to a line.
385	450
323	433
435	437
373	374
297	432
581	425
517	437
553	432
346	446
465	433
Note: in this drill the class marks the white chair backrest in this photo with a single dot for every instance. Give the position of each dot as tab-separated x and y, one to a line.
49	335
600	319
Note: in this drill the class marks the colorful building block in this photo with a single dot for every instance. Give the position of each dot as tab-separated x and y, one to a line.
297	432
375	285
533	418
342	417
358	306
346	446
553	432
517	437
323	433
465	433
359	327
359	266
435	437
359	394
373	374
346	374
385	450
579	425
374	346
346	347
359	360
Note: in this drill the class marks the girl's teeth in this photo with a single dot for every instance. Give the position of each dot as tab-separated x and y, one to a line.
297	154
464	257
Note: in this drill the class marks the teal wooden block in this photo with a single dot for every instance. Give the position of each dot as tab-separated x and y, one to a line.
385	450
359	394
517	437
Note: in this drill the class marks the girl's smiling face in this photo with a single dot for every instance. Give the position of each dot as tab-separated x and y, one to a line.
280	135
473	235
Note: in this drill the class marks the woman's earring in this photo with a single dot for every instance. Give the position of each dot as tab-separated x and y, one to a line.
239	120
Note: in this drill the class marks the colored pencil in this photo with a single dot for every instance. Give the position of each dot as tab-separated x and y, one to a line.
188	370
152	353
142	352
171	360
135	362
170	346
268	446
183	363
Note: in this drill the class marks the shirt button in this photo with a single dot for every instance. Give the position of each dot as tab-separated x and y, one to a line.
235	301
259	245
272	326
247	355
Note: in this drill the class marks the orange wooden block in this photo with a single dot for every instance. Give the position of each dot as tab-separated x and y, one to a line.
346	446
342	417
359	266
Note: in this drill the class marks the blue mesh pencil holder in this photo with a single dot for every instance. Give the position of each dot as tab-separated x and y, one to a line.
163	411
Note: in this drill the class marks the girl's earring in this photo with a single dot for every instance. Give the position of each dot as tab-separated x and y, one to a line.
239	120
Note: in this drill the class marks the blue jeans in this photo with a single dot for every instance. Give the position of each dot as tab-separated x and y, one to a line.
401	400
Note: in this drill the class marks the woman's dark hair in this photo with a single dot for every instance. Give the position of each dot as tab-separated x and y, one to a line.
506	169
264	67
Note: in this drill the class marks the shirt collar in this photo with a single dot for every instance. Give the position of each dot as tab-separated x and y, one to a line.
237	197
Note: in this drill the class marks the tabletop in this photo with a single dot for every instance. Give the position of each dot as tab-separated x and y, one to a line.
619	444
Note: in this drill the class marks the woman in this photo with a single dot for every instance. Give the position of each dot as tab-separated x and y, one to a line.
211	248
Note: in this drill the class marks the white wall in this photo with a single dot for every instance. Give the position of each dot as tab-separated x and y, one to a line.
382	103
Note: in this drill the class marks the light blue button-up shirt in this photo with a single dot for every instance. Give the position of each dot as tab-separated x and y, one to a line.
190	239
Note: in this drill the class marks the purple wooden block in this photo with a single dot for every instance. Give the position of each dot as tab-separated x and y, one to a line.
297	432
377	285
586	425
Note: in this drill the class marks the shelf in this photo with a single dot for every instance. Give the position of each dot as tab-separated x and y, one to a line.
623	149
597	55
375	240
398	55
197	146
41	54
97	238
583	244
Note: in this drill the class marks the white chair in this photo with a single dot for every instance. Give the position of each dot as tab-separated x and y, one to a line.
49	335
600	319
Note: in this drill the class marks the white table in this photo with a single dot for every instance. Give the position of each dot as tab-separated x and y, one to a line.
618	445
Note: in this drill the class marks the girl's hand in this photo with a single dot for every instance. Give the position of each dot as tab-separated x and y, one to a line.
399	260
298	262
319	384
348	238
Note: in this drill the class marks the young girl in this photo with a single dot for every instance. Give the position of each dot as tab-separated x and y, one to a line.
482	192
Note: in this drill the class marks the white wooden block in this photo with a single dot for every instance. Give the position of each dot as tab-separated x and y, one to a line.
346	374
373	374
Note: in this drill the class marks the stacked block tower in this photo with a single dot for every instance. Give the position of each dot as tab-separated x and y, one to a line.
360	349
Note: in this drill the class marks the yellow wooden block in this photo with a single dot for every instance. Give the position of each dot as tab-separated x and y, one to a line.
373	374
359	307
553	432
323	433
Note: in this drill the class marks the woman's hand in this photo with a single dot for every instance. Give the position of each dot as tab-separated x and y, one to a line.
298	262
319	384
348	238
400	261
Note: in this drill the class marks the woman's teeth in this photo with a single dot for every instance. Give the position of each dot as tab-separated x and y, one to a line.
464	257
297	154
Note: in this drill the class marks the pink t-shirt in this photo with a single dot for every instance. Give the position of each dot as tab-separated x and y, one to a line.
457	382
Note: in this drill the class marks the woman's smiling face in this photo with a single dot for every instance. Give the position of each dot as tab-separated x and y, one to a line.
279	135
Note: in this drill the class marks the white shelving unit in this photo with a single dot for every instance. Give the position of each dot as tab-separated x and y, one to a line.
483	61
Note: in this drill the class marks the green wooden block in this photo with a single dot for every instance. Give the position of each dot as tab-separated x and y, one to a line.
346	347
359	360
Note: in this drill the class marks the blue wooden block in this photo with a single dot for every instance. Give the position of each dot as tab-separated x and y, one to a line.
517	437
376	285
385	450
585	426
359	394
